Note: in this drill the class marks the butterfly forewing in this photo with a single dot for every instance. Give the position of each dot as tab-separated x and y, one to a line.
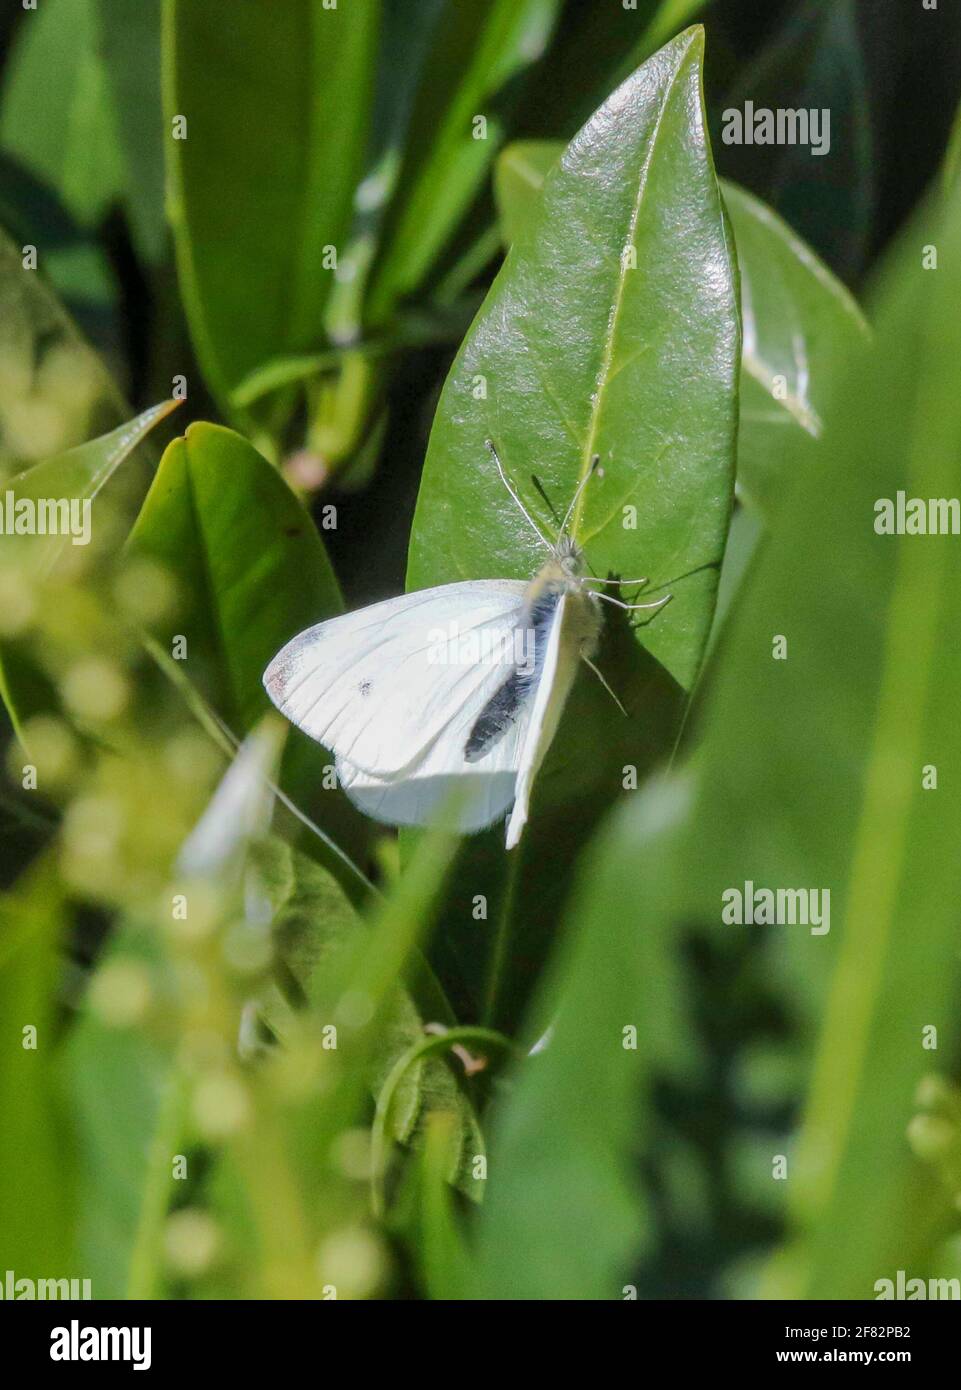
378	687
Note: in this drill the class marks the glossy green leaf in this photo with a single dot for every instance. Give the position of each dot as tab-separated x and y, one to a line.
578	354
249	563
478	48
800	326
250	571
799	322
264	180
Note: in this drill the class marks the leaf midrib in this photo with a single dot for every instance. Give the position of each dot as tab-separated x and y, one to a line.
607	357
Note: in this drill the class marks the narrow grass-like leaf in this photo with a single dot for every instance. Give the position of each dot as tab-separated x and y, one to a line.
564	1217
127	1104
478	47
37	1196
596	47
855	796
56	115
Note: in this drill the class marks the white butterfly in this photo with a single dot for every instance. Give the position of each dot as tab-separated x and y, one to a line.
457	689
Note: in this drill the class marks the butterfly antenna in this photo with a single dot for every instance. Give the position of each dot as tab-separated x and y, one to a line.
600	676
510	488
619	603
578	490
627	583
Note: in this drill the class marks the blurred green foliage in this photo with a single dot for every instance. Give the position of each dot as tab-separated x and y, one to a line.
252	1044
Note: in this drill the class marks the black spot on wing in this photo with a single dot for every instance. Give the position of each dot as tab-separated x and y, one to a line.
502	710
498	715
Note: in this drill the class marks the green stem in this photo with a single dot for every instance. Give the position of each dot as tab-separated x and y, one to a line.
228	743
344	406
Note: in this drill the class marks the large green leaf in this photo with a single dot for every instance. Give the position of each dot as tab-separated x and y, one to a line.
276	129
896	969
251	572
581	354
250	565
799	322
